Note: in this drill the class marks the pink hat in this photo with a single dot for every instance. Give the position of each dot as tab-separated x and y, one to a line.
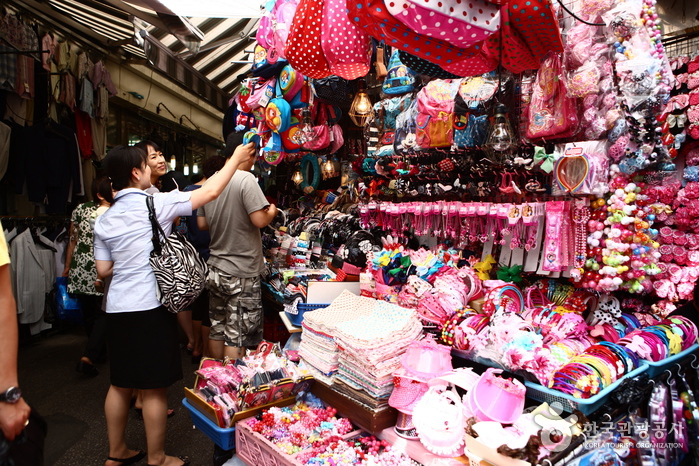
425	359
494	398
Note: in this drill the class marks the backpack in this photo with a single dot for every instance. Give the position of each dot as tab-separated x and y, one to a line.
460	23
266	62
347	48
435	103
283	17
303	48
400	78
265	30
385	113
404	139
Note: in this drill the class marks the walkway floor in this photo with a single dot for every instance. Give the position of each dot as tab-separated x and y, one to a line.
73	405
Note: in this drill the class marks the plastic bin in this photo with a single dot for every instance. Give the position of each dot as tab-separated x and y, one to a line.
657	368
569	403
296	319
224	438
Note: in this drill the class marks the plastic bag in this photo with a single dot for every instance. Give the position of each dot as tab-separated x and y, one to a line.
68	307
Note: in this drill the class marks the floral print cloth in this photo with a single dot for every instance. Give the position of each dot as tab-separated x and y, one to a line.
83	271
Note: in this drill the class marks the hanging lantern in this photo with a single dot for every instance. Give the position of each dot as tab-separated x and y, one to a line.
186	169
328	168
501	138
195	169
297	177
361	107
173	163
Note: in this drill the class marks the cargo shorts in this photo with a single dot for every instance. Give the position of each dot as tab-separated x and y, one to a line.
235	309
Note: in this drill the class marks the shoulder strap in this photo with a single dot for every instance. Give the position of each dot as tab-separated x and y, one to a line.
157	229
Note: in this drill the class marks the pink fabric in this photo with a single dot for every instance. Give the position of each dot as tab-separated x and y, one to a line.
459	23
346	47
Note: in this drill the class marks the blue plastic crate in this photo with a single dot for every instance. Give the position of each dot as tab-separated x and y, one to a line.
302	308
569	403
224	438
657	368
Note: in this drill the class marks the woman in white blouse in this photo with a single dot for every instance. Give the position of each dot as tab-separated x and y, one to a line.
142	334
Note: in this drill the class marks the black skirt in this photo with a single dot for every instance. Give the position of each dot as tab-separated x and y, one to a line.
144	349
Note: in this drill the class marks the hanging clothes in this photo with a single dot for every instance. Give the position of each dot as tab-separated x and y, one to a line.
51	165
33	269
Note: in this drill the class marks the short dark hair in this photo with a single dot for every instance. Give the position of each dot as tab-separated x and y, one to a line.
173	180
119	163
212	165
232	142
144	145
103	187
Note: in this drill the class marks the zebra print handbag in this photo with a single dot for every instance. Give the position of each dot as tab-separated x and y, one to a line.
178	267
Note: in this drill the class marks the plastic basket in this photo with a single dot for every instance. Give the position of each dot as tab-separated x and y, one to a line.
302	308
256	450
657	368
224	438
569	403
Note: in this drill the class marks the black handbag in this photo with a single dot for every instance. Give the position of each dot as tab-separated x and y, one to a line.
179	269
333	90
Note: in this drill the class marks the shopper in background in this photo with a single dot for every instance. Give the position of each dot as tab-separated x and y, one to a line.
236	262
156	162
82	274
141	333
199	309
14	411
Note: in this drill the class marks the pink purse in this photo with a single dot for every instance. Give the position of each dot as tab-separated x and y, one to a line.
321	139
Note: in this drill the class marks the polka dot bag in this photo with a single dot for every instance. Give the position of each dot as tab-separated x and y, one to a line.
303	46
458	22
347	48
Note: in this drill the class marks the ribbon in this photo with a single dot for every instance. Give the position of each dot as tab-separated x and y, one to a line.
542	158
510	274
484	267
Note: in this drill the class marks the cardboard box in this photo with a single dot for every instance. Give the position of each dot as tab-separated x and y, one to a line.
490	455
373	421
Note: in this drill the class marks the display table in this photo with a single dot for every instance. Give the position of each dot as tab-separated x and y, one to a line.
291	328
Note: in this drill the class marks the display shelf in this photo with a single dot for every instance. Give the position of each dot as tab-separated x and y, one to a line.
291	328
569	403
657	368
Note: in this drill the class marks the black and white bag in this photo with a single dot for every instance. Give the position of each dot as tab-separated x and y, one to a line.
179	270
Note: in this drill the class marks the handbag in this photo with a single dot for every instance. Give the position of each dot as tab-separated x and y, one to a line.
179	269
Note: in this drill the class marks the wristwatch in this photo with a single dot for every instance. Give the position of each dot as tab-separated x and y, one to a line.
11	395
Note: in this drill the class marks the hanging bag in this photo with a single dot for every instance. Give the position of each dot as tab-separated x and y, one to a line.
179	270
552	113
303	49
346	47
462	24
400	78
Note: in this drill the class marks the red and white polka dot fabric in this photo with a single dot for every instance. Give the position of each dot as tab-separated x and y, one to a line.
459	22
303	48
347	48
528	30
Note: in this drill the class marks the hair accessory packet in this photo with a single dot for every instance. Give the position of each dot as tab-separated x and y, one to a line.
581	168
